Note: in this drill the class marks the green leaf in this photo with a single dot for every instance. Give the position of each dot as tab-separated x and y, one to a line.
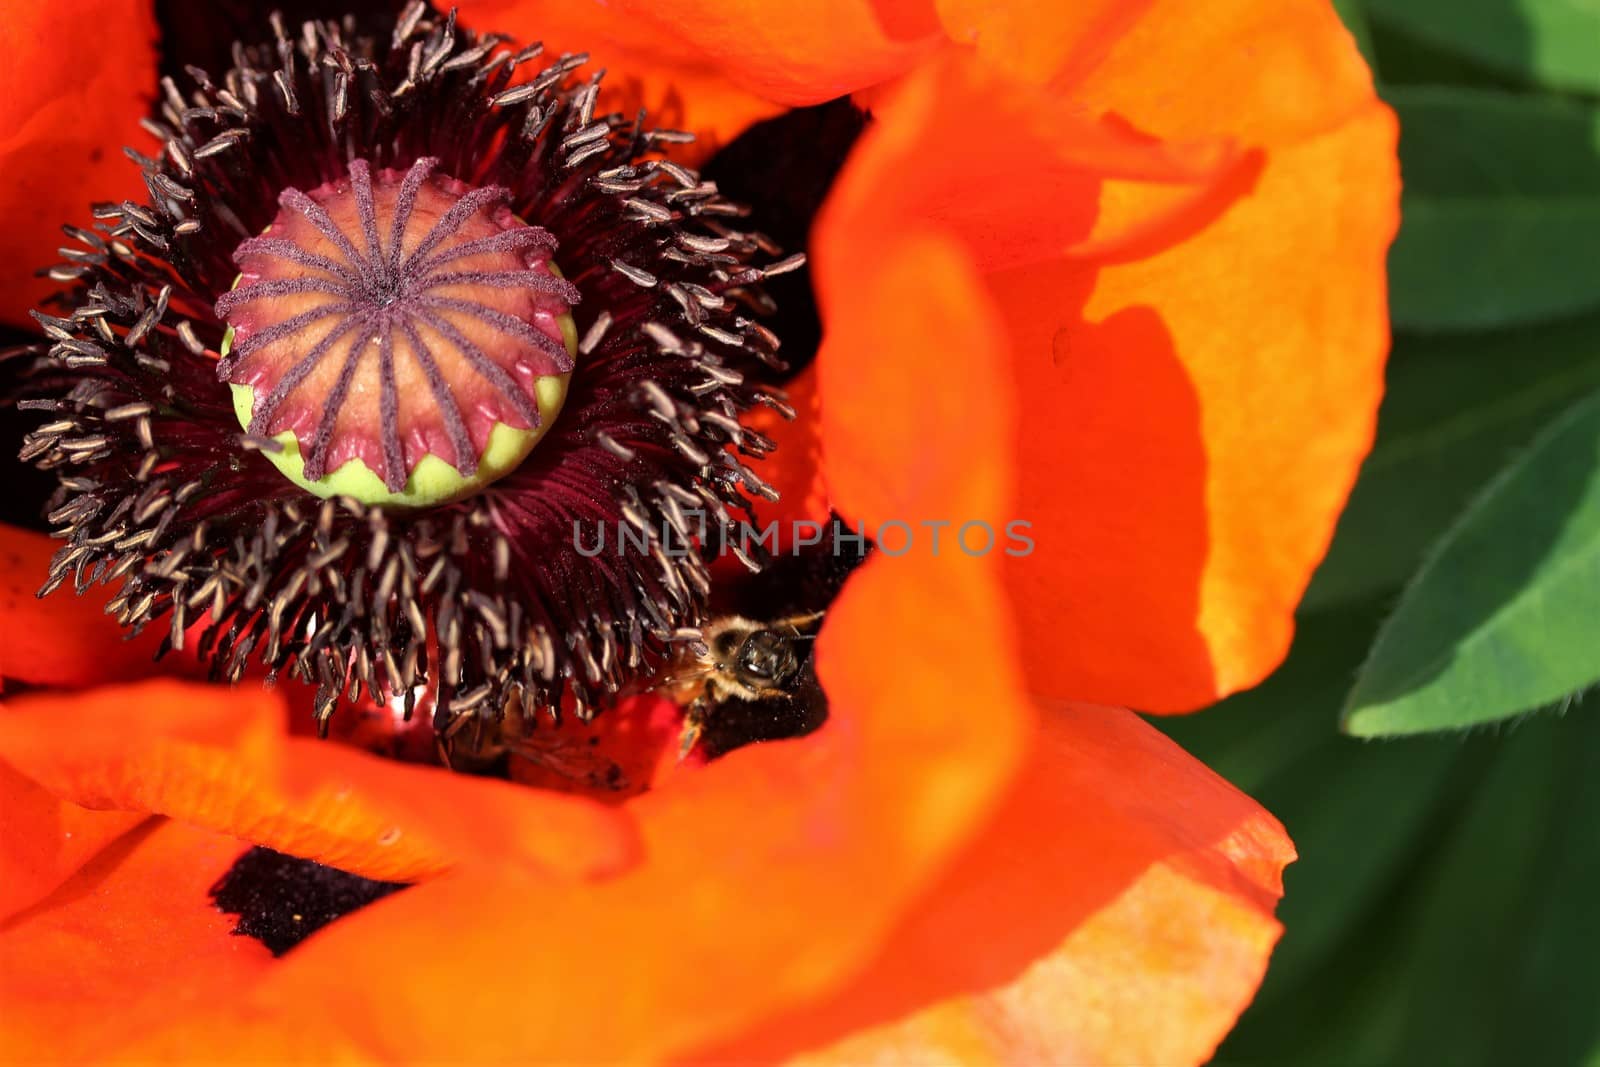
1550	43
1505	615
1480	264
1399	59
1441	910
1501	209
1478	949
1476	143
1356	809
1456	409
1353	14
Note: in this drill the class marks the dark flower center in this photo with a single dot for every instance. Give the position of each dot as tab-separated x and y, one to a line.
354	228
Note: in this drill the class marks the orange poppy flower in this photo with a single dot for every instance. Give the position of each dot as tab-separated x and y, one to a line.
1115	272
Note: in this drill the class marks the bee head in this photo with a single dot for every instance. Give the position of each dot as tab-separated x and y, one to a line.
767	659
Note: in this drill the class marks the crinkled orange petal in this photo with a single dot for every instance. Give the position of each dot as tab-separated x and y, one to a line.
796	54
1023	187
675	82
219	758
790	54
769	877
45	839
1117	909
1197	369
1266	73
67	106
1015	174
908	372
1198	418
129	943
63	639
1249	356
1040	40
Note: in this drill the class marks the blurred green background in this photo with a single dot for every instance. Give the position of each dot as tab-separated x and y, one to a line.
1427	743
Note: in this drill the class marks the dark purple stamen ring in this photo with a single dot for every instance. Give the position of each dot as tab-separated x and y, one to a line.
482	599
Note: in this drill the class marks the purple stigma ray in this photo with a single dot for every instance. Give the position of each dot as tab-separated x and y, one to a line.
361	187
276	332
452	219
317	462
504	323
262	414
405	203
394	463
229	301
486	367
509	241
509	279
313	211
449	410
288	250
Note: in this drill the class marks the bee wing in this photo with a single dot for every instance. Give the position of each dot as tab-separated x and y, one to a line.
578	764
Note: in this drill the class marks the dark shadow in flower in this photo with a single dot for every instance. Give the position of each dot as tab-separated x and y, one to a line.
282	900
26	487
783	169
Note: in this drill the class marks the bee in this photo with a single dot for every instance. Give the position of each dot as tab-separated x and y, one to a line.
479	745
742	680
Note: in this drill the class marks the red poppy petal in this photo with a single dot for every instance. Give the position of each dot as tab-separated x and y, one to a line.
1196	350
63	639
791	54
63	118
218	758
129	943
46	840
1194	423
1040	40
1027	182
1266	73
890	313
678	85
1025	190
800	54
770	876
1117	910
1244	362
